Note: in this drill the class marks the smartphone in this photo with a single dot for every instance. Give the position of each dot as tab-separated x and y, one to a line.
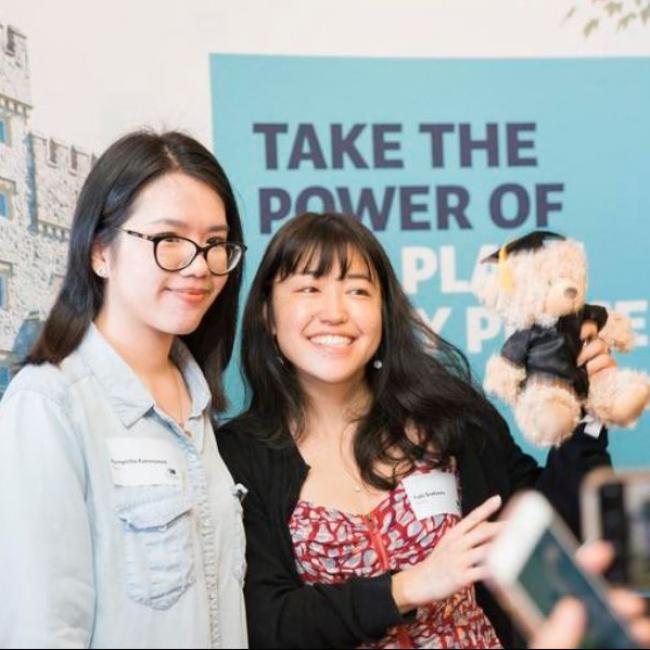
531	567
616	507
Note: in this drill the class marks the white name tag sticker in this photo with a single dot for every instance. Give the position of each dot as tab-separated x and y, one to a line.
433	493
143	461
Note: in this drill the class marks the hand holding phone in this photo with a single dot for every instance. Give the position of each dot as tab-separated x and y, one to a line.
567	623
531	567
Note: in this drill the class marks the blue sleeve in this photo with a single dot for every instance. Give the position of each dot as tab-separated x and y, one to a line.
46	560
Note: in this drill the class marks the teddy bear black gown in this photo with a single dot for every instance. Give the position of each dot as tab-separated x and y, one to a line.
553	351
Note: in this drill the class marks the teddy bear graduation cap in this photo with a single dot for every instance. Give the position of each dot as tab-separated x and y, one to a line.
539	291
529	242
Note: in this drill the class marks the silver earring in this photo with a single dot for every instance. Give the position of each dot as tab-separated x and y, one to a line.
377	364
101	271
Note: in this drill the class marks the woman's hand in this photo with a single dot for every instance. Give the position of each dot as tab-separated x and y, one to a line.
454	563
595	353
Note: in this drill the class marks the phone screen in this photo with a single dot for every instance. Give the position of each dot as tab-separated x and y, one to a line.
550	573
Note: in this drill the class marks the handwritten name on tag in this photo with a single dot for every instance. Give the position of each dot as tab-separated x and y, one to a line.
433	493
143	461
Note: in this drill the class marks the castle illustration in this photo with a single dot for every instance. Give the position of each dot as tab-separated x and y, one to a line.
40	179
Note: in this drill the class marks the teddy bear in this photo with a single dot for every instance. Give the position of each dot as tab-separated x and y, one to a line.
538	288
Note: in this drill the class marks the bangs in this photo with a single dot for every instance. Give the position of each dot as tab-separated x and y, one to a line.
318	250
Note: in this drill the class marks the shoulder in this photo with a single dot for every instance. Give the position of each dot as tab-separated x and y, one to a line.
240	445
47	382
37	415
249	431
43	382
491	436
242	430
248	451
233	441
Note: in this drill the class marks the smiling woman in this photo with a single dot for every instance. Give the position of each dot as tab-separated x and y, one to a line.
369	457
116	402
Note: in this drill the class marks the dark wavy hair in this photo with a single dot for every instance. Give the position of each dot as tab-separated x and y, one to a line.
424	382
104	204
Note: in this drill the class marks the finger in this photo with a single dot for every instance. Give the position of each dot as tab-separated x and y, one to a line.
564	628
626	603
595	557
481	534
589	330
475	557
478	515
592	350
600	363
640	630
475	574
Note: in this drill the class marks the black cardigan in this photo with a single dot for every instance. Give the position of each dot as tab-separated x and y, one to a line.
283	612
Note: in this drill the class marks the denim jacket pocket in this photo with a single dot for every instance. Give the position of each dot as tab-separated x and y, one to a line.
158	549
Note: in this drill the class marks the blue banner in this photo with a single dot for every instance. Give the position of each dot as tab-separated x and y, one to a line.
444	160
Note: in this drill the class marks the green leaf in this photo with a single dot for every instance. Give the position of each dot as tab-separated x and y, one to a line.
614	8
624	22
591	26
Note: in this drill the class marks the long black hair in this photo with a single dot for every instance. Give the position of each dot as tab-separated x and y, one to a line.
425	383
104	204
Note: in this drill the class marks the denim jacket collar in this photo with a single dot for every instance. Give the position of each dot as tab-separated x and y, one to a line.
123	387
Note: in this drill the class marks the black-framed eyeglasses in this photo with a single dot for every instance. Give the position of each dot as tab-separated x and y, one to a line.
175	253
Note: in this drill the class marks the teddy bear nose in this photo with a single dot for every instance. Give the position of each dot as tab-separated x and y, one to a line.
571	293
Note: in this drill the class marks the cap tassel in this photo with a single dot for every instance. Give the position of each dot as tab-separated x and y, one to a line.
504	269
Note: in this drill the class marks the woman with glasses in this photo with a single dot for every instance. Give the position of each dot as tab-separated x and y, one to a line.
121	526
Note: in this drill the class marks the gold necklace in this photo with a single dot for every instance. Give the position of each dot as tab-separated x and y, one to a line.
357	486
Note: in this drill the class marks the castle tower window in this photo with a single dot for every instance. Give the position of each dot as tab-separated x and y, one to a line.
5	275
52	152
4	130
74	159
10	47
4	379
7	191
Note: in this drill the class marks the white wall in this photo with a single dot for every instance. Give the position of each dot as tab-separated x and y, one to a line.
99	69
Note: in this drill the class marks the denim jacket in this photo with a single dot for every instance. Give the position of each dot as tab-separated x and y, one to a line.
118	529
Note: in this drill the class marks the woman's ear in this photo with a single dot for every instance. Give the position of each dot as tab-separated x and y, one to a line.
99	260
